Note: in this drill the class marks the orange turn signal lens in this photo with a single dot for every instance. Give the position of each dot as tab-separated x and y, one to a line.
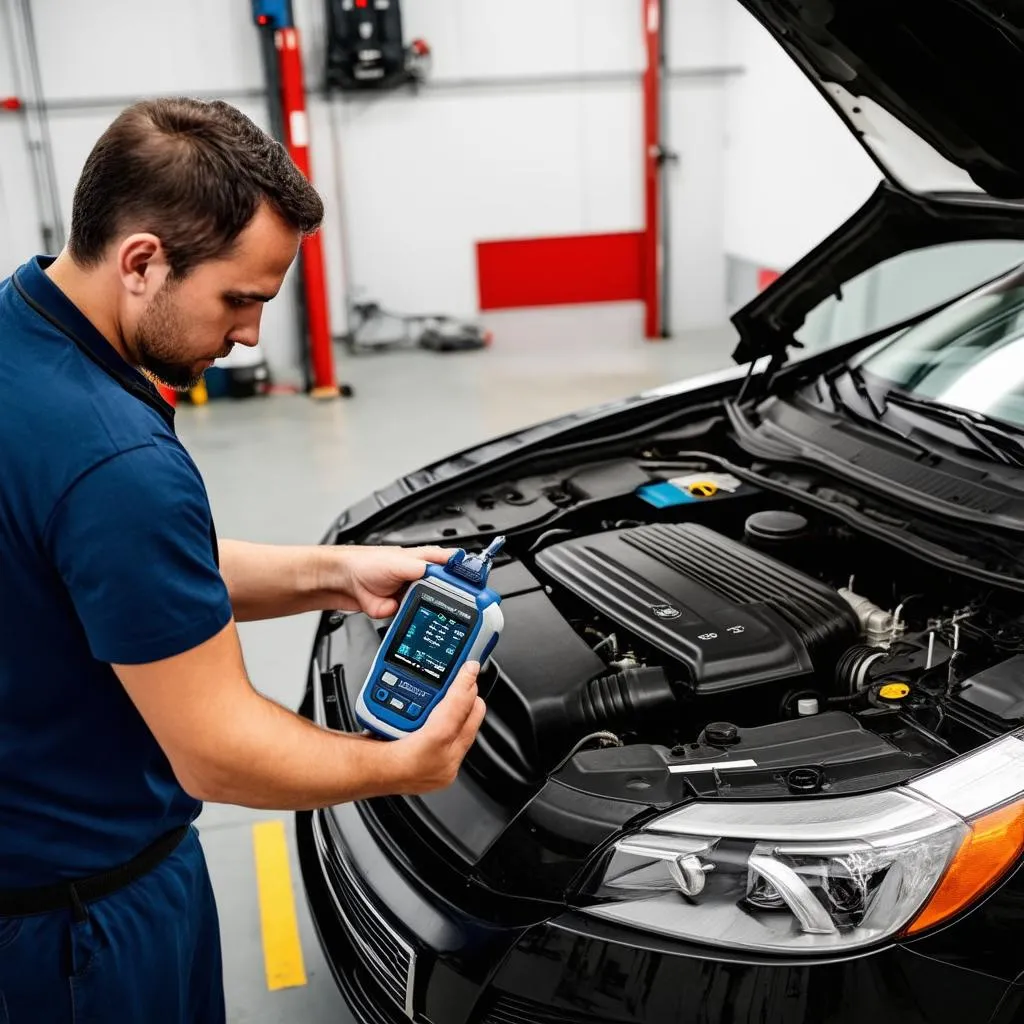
994	844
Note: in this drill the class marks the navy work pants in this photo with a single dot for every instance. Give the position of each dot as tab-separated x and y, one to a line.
148	954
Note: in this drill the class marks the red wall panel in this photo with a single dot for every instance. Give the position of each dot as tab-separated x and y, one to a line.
560	271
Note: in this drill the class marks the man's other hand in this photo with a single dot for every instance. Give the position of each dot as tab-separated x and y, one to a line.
429	758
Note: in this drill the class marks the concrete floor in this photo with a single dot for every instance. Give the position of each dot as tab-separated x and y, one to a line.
279	469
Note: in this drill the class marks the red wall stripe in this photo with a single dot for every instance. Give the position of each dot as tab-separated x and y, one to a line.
560	271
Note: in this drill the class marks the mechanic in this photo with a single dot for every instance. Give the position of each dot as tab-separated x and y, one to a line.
125	698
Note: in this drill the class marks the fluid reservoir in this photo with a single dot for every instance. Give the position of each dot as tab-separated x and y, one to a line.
772	528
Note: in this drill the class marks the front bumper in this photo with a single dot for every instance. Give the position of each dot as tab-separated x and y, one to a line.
398	952
401	953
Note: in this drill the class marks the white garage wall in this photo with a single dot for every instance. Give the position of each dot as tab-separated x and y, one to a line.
497	148
695	128
793	172
503	143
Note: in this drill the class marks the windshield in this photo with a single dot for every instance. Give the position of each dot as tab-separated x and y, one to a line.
970	356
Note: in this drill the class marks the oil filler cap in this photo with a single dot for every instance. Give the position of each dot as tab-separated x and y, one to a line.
894	691
703	488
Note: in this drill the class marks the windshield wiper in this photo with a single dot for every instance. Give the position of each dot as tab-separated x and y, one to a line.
860	386
873	421
997	442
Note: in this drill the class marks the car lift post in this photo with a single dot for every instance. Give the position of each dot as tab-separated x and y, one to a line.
290	124
654	254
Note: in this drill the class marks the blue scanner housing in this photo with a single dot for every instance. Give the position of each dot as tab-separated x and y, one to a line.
446	618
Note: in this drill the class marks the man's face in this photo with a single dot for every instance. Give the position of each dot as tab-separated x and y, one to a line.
193	321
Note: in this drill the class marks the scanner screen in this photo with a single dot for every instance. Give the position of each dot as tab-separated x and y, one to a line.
431	637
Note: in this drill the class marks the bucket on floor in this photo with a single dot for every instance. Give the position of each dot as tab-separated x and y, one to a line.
246	373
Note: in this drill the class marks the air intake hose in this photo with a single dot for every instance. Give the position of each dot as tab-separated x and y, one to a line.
624	699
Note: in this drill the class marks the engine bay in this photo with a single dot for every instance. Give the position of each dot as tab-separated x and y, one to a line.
673	629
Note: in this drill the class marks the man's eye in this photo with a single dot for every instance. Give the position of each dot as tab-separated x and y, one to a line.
237	303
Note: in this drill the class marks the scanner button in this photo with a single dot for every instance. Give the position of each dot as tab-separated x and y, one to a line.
382	695
389	679
414	710
398	705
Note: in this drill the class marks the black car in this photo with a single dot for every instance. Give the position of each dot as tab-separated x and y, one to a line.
754	747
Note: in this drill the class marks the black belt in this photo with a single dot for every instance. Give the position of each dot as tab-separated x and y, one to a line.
74	895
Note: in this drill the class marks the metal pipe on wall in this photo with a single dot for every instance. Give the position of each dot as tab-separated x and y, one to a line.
45	146
22	41
69	105
74	104
341	216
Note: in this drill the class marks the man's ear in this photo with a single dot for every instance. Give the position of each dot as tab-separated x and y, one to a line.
142	264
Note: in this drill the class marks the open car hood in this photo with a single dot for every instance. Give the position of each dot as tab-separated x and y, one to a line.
891	222
930	89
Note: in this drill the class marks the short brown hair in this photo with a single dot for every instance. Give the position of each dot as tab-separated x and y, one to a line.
191	172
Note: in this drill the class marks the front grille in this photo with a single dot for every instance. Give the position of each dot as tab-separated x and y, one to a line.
389	959
511	1010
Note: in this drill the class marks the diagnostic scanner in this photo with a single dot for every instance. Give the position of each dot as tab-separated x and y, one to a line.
446	618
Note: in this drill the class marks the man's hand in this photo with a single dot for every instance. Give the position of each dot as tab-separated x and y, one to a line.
429	758
371	579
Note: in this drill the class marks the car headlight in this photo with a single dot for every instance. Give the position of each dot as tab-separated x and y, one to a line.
823	874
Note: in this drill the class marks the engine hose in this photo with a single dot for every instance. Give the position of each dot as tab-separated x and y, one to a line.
854	667
622	699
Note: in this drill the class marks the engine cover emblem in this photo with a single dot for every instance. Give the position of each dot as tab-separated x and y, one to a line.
666	611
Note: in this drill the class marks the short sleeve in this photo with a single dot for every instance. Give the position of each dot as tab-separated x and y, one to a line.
132	541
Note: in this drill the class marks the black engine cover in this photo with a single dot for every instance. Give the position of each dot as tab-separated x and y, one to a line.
733	617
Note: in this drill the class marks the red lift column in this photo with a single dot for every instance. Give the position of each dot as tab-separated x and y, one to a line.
653	252
314	278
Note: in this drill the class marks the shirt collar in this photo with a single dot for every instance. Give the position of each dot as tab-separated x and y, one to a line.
75	323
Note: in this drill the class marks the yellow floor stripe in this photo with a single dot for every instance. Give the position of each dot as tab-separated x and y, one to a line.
282	950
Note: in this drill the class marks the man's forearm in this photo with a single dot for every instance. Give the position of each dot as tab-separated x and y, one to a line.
271	758
268	581
228	744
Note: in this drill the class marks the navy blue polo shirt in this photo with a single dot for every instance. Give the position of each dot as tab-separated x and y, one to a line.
107	556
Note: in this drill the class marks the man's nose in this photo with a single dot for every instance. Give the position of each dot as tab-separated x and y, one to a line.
248	334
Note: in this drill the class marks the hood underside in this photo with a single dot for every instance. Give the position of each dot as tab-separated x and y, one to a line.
932	90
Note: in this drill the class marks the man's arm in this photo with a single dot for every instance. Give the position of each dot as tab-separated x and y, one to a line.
268	581
228	744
